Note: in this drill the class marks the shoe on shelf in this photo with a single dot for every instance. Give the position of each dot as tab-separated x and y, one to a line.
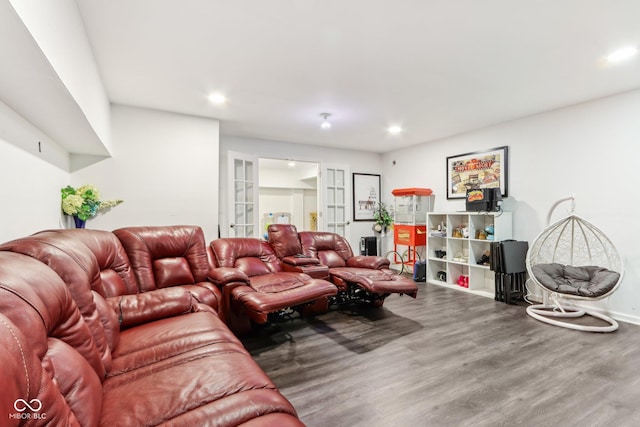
463	281
484	259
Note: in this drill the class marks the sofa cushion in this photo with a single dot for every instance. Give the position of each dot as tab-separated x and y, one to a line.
248	408
81	388
113	285
149	306
76	265
116	275
167	339
284	240
172	272
28	390
165	256
146	245
279	282
253	266
58	355
108	319
252	256
369	262
227	385
330	248
18	364
585	281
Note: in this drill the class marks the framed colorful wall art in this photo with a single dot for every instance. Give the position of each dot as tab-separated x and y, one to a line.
480	169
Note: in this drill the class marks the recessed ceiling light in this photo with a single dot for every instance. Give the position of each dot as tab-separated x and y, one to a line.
291	163
622	54
394	130
325	123
217	98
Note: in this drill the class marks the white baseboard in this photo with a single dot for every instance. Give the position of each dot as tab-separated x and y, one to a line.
623	317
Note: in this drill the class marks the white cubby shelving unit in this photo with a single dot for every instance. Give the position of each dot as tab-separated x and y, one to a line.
463	253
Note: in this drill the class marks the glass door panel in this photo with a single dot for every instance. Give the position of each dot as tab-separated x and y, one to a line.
336	193
243	197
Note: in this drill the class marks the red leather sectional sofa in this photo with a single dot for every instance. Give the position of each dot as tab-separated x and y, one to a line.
91	335
137	327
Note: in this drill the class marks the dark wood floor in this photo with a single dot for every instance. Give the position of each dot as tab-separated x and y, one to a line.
450	358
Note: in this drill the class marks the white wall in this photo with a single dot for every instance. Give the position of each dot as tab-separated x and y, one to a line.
16	130
31	180
59	31
589	150
288	178
165	168
359	161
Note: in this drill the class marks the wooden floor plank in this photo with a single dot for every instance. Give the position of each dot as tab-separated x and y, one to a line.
450	358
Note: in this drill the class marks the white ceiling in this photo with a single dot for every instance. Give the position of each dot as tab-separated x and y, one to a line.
435	67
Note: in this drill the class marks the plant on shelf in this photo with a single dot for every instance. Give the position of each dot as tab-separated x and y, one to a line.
383	218
83	203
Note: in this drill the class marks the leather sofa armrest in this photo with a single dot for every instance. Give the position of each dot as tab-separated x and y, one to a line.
146	307
221	276
296	260
368	261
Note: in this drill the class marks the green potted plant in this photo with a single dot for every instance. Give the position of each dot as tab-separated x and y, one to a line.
383	218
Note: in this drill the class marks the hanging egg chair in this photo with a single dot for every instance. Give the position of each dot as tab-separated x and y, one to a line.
573	260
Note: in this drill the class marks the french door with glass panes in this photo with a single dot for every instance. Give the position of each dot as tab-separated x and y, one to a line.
243	194
336	194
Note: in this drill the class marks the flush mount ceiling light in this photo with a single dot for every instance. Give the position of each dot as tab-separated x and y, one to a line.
622	54
217	98
325	123
394	130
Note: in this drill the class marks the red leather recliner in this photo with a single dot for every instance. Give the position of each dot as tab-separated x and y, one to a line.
285	242
166	256
261	286
358	277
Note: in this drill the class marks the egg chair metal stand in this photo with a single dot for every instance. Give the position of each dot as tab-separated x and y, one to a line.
573	261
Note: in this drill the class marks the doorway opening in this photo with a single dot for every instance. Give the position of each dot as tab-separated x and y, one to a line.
288	193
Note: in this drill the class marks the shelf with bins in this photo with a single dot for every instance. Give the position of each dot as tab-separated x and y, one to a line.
457	241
